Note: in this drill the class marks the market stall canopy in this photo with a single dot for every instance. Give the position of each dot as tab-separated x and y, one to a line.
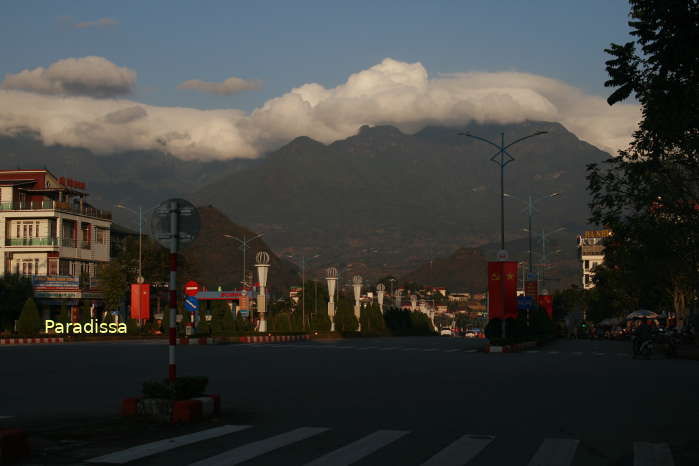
642	314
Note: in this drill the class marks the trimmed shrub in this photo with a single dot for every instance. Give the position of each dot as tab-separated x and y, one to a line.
132	327
29	323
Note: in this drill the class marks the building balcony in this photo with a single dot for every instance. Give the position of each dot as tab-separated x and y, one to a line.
34	241
55	205
592	250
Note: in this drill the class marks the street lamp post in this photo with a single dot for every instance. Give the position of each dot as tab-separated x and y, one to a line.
530	209
502	161
544	237
244	246
303	288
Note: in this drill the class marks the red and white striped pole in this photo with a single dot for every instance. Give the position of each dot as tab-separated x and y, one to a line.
174	233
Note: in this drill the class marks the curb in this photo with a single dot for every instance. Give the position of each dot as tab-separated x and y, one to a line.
29	341
274	338
13	445
196	341
509	348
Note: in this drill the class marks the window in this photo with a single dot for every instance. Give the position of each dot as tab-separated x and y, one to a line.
587	264
64	267
36	266
99	235
53	267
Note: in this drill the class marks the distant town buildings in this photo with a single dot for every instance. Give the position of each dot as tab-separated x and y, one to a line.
50	233
591	253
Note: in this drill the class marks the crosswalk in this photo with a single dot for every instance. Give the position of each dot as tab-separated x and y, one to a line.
461	450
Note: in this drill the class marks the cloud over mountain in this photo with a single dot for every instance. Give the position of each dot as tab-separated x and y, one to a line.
88	76
391	92
230	86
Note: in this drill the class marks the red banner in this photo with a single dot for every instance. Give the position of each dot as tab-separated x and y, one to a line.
502	290
531	288
546	302
140	301
509	272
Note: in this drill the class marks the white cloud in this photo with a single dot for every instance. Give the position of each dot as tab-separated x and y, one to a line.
100	23
230	86
391	92
90	76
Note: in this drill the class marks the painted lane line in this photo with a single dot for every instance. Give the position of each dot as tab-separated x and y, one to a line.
390	348
429	349
6	417
652	454
252	450
599	354
460	452
555	452
363	447
451	350
471	350
553	352
148	449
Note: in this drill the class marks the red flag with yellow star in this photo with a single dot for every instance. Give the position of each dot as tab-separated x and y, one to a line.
495	290
509	273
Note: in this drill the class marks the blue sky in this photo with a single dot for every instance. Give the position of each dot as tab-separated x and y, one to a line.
285	44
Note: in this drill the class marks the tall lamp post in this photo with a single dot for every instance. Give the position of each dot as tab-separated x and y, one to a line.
502	158
244	245
544	237
303	287
530	209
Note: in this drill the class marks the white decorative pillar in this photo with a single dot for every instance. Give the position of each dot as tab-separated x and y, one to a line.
380	290
413	302
397	299
262	266
331	278
357	285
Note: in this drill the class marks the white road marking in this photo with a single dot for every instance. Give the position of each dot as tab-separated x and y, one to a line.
555	452
460	452
363	447
429	349
652	454
553	352
255	449
599	354
389	348
450	350
148	449
471	350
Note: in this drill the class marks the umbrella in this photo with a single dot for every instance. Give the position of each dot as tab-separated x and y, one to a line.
642	314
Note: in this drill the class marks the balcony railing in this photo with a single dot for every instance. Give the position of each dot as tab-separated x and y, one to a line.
55	205
592	250
34	241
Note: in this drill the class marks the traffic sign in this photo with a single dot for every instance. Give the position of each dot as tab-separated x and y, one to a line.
191	304
191	288
525	303
244	313
188	223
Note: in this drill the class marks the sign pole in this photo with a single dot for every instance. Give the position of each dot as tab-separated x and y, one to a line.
174	234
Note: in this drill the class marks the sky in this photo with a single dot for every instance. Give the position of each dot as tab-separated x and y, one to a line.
222	79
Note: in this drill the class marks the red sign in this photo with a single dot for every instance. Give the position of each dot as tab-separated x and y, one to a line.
140	301
502	289
546	301
531	288
191	288
71	183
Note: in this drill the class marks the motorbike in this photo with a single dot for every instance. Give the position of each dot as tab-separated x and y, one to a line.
644	349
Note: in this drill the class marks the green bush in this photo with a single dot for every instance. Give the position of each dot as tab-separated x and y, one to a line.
184	388
281	322
229	323
345	320
28	324
132	327
320	322
64	315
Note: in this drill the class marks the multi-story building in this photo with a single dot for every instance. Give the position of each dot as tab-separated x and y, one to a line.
49	232
591	253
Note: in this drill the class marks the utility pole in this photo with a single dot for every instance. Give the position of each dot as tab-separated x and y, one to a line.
244	245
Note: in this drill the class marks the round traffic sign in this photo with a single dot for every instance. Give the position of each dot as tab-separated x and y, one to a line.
191	288
187	223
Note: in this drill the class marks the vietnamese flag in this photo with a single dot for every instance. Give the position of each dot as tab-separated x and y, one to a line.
495	309
509	273
546	302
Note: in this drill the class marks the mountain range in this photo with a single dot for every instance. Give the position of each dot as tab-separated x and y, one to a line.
378	203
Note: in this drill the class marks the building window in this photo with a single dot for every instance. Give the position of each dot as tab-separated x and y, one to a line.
53	267
587	264
64	267
36	266
99	235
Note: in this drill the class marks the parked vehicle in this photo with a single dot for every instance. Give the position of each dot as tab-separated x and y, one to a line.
446	332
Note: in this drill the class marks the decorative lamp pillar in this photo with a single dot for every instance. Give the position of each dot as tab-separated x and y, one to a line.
357	286
331	278
413	302
397	299
262	266
380	290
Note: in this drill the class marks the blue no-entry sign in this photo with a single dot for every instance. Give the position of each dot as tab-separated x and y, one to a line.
191	304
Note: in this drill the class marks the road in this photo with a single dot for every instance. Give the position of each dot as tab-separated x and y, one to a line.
403	400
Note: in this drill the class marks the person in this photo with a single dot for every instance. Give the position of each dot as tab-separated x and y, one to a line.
642	333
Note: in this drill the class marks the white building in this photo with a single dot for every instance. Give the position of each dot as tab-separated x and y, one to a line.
49	232
591	253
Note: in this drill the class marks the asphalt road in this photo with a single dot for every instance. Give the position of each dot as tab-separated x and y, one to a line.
404	400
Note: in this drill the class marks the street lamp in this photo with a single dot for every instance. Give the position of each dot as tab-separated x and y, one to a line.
244	246
303	287
530	208
544	236
140	233
504	159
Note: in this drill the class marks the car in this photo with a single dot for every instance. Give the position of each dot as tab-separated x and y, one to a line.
470	334
446	332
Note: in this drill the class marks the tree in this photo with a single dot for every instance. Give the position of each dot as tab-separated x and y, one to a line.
113	278
229	323
648	195
281	322
29	323
443	320
15	289
85	312
345	320
64	315
218	313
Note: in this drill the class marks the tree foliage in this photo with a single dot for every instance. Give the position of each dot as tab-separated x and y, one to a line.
15	289
648	195
29	323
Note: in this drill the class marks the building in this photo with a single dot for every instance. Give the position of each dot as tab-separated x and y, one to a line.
591	253
49	232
